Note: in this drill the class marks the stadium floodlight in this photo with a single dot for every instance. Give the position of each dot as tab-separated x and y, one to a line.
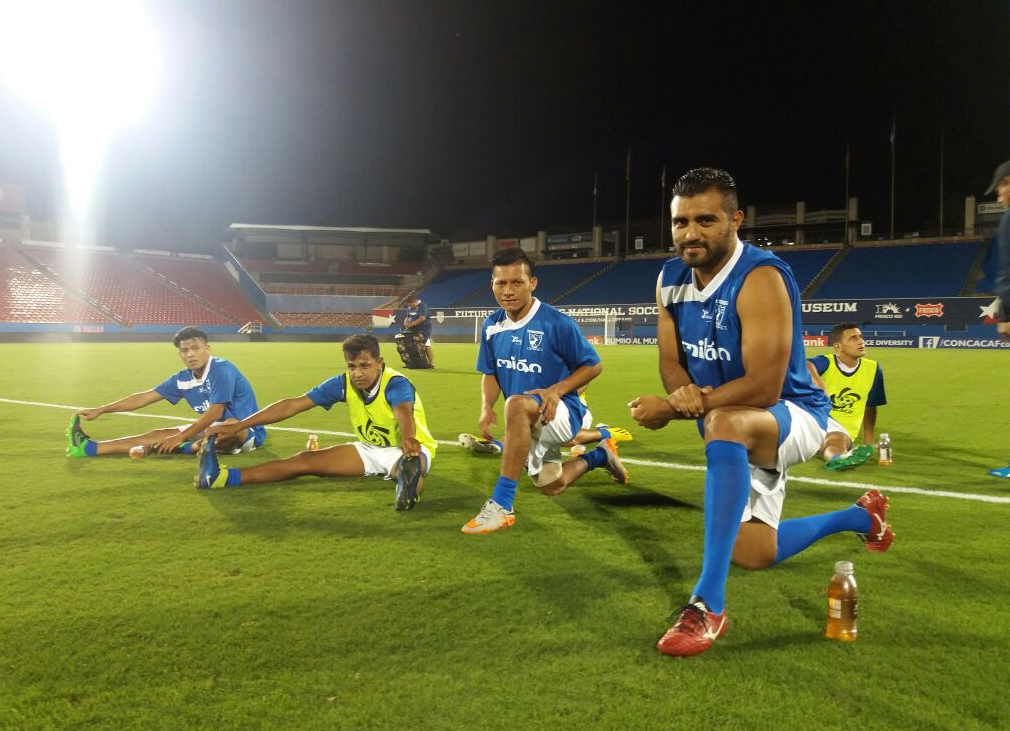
93	67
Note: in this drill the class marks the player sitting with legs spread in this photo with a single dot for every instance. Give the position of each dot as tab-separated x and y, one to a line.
855	385
386	413
538	358
213	387
731	356
483	445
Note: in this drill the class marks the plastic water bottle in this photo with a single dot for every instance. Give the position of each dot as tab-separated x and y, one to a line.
842	604
313	444
884	450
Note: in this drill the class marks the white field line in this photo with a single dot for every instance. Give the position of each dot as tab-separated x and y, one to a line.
640	462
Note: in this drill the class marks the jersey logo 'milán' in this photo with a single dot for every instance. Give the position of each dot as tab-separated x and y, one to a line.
374	434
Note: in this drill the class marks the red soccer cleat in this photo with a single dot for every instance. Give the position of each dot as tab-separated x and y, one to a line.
880	535
694	631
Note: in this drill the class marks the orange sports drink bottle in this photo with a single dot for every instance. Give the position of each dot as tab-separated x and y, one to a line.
842	604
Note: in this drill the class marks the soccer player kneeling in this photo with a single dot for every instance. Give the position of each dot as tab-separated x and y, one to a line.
386	413
539	359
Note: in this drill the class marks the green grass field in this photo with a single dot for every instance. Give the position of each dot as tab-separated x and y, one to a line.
129	600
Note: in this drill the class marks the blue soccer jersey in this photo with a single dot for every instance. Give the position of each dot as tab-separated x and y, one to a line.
334	390
221	383
709	327
543	348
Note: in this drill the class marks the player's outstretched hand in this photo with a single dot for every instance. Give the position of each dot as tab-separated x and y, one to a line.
488	420
1003	329
689	400
410	447
90	414
167	446
549	398
652	412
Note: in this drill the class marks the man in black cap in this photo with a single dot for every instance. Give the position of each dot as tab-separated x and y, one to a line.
1001	184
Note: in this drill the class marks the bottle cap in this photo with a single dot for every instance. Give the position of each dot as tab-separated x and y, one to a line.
843	567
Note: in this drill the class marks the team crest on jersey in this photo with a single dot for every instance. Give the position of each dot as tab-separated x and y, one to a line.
720	312
374	434
536	338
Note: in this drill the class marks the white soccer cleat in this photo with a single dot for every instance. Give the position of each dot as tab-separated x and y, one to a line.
614	465
490	518
478	444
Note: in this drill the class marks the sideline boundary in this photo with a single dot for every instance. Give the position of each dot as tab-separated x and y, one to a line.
639	462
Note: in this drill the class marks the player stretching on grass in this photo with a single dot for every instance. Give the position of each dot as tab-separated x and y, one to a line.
733	312
386	413
855	386
215	389
538	358
483	445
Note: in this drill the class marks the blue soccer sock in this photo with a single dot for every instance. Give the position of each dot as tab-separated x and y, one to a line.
91	448
797	534
604	433
234	477
595	458
185	448
504	492
497	443
727	485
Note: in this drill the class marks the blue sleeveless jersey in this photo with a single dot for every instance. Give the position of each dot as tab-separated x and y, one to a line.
709	327
543	348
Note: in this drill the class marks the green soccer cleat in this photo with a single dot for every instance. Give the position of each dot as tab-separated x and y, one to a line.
76	438
855	457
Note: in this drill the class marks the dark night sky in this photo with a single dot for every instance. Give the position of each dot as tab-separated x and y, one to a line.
472	118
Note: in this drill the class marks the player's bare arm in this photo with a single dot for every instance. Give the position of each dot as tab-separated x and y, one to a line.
816	378
550	397
653	412
130	403
869	423
277	411
168	445
766	321
489	393
404	414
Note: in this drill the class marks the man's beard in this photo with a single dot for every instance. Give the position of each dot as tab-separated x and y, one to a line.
713	251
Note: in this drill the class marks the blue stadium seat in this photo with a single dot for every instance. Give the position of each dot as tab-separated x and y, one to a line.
454	284
805	263
987	284
628	282
914	270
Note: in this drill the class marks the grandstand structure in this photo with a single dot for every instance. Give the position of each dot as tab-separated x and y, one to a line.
46	287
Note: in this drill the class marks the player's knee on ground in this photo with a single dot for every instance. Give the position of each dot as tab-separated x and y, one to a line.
756	546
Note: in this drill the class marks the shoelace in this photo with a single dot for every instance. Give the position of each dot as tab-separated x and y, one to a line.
693	622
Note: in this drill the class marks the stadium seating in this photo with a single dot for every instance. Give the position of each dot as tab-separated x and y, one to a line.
805	263
629	281
914	270
987	284
324	319
124	289
27	296
355	290
453	285
208	280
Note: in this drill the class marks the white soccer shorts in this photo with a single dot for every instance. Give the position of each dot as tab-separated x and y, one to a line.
768	487
381	460
546	440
